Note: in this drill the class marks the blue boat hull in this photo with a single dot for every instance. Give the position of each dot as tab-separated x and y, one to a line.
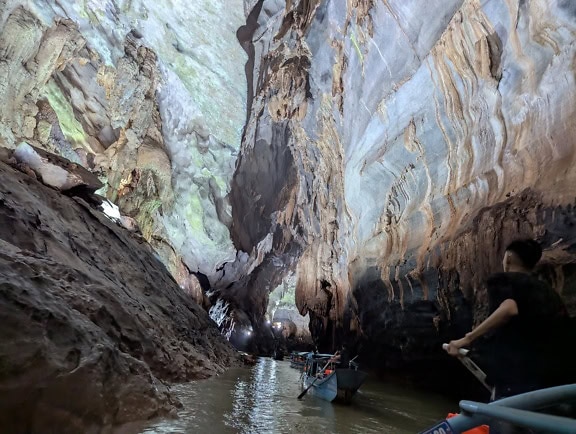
340	385
325	388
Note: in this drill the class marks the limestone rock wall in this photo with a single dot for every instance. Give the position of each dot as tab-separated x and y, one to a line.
128	89
383	144
403	145
93	326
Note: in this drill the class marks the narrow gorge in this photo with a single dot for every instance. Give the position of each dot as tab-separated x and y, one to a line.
349	171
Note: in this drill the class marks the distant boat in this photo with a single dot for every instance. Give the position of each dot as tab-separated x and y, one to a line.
324	379
248	359
298	359
278	355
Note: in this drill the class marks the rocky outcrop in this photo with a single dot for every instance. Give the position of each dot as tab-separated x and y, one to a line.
128	91
404	145
54	171
94	328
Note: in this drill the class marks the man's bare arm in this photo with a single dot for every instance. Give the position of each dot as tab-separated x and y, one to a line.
507	310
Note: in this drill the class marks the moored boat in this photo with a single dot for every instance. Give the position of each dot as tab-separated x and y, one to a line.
324	379
248	359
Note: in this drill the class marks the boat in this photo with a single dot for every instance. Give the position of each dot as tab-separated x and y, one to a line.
248	359
278	354
326	380
520	410
523	410
298	359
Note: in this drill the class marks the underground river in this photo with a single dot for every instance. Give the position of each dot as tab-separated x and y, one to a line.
262	399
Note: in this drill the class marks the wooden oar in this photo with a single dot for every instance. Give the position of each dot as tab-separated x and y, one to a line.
471	366
305	391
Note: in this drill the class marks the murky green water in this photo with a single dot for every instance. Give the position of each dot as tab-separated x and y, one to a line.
262	399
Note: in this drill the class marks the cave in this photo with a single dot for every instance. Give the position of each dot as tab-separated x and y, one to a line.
183	181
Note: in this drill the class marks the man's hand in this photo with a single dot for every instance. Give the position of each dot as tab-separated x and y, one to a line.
507	310
335	357
454	346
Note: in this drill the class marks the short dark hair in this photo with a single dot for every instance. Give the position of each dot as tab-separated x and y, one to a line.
529	251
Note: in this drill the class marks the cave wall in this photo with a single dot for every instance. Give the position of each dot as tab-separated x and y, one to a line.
93	327
152	98
129	90
424	137
378	139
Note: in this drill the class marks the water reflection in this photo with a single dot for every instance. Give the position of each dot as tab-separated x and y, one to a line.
263	400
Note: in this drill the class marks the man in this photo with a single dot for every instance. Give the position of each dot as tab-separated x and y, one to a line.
342	357
529	323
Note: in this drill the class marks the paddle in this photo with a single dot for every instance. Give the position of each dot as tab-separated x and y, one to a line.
305	391
471	366
352	361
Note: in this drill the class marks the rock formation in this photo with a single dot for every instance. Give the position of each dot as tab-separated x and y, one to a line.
390	150
404	145
124	89
93	327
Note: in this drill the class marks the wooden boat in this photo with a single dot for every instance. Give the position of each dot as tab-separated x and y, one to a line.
328	381
298	359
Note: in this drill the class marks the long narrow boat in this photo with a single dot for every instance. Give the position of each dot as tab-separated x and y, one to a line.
327	381
298	359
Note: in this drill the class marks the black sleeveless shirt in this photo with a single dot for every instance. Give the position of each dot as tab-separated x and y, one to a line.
527	351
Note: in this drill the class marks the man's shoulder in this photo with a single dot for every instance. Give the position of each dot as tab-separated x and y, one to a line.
515	279
527	290
522	283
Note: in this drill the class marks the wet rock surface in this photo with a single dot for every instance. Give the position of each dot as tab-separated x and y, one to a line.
94	328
